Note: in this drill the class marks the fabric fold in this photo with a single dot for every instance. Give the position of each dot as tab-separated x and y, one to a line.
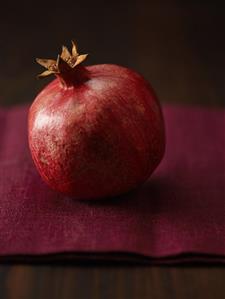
177	215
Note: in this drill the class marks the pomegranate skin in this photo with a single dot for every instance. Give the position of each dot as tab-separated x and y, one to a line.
99	138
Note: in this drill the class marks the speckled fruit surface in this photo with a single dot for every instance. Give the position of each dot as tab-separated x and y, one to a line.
99	138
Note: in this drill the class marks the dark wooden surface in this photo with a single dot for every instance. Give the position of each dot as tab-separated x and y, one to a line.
179	47
122	282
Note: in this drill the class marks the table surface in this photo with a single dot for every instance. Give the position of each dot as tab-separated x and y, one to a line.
119	282
179	47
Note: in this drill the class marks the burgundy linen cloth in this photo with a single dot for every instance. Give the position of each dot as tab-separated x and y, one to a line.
179	214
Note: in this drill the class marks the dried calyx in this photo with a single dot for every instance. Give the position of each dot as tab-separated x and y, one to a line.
65	63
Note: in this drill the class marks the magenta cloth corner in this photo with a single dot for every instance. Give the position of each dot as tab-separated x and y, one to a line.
177	215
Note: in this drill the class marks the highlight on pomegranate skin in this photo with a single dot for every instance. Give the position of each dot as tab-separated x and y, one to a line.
94	131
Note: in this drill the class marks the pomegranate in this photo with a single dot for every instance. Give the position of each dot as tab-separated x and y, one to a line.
94	131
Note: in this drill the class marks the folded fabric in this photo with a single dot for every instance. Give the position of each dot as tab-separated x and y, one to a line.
177	215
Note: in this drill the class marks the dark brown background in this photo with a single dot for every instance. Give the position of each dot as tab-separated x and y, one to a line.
179	47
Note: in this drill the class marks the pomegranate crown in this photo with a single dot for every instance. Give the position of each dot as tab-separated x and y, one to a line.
64	63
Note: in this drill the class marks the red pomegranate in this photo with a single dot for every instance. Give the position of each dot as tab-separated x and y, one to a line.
94	131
